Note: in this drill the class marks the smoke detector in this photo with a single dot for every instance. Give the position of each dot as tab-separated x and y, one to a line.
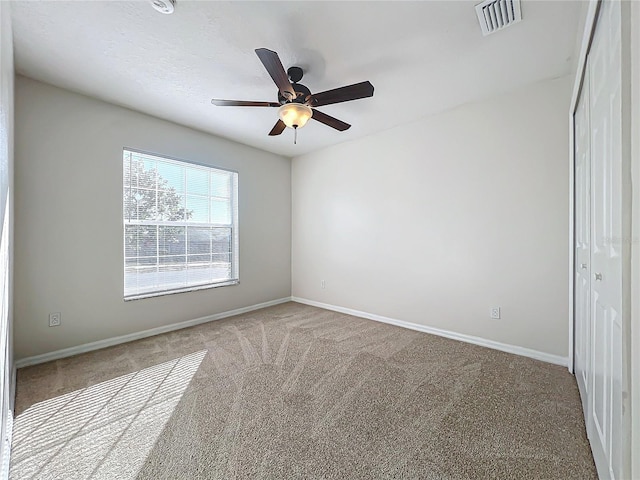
495	15
164	6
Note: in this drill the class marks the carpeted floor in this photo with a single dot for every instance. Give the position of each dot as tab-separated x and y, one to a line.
294	391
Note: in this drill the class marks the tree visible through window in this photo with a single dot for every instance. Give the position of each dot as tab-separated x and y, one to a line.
180	226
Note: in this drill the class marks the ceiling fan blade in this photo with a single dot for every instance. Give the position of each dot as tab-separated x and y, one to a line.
277	129
272	63
242	103
342	94
329	120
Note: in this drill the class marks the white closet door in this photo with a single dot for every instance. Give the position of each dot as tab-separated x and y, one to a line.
604	422
582	274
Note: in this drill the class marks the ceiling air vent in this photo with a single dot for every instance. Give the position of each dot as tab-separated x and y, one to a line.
495	15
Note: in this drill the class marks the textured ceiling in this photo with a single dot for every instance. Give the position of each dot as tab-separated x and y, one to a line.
422	57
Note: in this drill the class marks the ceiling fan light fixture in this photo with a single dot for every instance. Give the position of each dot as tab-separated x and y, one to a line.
295	115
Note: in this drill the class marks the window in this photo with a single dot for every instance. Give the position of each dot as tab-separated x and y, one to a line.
180	226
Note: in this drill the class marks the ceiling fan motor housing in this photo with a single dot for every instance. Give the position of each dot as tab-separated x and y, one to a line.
302	93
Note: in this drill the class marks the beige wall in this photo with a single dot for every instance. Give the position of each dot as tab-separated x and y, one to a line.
439	220
69	256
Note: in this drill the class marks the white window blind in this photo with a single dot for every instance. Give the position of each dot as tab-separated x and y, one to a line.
180	226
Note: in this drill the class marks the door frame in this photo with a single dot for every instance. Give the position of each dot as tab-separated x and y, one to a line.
630	30
635	236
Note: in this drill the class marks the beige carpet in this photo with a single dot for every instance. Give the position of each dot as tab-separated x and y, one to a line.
298	392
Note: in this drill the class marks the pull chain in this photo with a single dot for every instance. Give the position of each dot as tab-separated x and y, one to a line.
295	135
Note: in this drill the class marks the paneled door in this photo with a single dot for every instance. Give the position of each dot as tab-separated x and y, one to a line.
605	424
582	274
598	248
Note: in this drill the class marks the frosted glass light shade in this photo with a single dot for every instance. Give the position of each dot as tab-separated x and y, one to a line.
295	115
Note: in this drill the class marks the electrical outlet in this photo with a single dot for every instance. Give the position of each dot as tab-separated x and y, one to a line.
55	319
495	313
322	284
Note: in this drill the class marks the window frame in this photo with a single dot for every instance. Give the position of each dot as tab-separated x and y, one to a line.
233	225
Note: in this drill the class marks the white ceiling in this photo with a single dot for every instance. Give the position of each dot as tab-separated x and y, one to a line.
422	57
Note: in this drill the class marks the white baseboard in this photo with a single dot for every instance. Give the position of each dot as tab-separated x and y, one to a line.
504	347
109	342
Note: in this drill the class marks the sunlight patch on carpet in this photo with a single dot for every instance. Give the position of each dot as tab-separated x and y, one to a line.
105	431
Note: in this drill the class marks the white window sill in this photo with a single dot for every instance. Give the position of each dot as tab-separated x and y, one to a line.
193	288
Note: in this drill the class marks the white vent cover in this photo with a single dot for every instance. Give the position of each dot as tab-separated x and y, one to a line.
495	15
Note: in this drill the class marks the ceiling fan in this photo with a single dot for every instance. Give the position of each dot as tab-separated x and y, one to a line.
296	104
